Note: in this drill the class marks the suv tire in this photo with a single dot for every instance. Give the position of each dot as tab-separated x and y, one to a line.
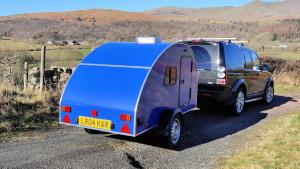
238	102
269	95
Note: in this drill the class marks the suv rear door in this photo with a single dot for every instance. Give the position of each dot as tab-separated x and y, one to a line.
250	74
262	78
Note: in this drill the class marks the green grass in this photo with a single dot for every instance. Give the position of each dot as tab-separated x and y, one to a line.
282	54
282	89
62	57
275	145
68	56
17	45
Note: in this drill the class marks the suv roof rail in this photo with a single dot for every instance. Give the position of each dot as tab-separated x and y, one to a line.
230	40
211	39
240	41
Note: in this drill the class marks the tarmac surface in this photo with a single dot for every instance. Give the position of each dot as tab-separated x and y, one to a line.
209	135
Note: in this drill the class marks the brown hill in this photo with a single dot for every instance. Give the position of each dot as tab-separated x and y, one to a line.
256	10
94	16
170	23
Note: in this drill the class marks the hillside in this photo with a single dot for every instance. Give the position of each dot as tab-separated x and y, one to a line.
171	23
256	10
91	17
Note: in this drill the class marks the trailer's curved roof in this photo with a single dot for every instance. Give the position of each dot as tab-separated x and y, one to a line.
126	53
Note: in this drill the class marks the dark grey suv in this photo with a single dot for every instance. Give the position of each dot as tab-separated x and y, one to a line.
232	74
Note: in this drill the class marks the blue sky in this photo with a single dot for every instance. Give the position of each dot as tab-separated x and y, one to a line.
11	7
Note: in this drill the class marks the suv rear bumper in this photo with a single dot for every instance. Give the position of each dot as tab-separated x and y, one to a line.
214	93
211	95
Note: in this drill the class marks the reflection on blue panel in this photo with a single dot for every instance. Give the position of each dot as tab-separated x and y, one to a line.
126	53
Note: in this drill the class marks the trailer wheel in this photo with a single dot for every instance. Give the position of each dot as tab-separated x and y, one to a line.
91	131
174	132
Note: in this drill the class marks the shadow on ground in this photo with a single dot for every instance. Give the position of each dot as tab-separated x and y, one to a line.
212	123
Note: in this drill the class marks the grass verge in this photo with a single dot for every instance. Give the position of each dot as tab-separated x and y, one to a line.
276	145
286	82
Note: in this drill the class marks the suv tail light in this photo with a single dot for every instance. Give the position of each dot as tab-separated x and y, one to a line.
221	81
221	76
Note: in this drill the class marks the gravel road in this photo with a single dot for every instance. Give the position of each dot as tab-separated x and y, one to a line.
209	135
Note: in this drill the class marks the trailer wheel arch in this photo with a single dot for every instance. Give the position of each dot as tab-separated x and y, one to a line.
179	112
166	116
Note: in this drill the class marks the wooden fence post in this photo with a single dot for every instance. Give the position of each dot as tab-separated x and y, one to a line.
25	75
42	68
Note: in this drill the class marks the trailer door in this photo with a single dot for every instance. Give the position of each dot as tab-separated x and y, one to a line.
185	81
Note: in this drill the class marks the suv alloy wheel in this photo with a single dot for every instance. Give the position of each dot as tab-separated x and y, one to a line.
269	95
239	102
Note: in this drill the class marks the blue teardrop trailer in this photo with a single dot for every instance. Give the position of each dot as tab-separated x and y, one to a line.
128	88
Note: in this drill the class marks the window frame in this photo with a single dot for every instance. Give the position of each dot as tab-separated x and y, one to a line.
256	66
249	55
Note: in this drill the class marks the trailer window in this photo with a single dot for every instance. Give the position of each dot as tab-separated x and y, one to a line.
170	77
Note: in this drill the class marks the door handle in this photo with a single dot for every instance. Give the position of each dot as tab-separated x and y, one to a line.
181	81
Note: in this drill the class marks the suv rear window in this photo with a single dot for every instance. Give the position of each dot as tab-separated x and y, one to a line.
207	56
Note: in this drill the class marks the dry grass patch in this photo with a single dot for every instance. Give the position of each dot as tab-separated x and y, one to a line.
287	82
276	145
286	74
22	111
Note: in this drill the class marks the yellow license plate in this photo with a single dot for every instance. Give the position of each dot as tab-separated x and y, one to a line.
95	123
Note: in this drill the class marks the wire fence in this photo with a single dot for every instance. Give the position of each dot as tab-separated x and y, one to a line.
12	67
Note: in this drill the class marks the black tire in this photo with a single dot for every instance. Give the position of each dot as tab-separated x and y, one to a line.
173	136
269	95
91	131
238	102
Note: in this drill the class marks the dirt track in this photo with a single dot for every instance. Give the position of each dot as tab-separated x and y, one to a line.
209	135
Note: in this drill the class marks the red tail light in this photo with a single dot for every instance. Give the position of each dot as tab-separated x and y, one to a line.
94	113
195	42
221	81
206	94
66	109
125	117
